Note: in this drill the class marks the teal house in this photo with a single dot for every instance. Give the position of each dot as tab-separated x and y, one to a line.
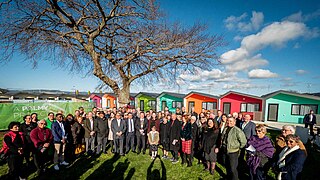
146	101
290	107
170	100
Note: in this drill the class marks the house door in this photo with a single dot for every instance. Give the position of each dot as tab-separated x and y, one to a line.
226	108
190	105
163	105
273	112
141	105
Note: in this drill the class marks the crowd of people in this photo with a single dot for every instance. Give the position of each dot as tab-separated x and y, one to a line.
206	138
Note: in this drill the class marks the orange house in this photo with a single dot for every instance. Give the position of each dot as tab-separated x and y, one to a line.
109	101
200	100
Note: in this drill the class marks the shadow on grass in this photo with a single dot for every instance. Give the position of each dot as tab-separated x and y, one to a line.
106	170
155	174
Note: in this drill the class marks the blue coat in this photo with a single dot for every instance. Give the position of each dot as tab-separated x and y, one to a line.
294	164
250	129
57	132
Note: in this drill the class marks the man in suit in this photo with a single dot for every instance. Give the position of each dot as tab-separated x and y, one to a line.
218	118
90	132
248	127
141	127
174	138
60	141
118	127
130	135
310	120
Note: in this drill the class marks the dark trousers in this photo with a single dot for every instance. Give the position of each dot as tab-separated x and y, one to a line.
260	174
102	144
310	127
174	154
118	145
231	165
15	164
141	143
130	141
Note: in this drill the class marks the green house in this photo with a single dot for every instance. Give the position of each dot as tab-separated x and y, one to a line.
170	100
146	101
290	107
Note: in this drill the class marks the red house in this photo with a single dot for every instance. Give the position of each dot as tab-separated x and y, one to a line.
239	102
96	99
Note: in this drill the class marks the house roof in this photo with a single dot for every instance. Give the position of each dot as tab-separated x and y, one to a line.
153	95
203	94
178	95
266	96
242	94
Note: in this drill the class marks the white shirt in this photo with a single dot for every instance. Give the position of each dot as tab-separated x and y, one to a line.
62	128
119	121
91	124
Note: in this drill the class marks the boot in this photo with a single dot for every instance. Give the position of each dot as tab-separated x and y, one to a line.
213	165
208	166
183	157
189	160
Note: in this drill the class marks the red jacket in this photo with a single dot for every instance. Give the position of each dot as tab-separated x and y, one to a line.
12	135
41	136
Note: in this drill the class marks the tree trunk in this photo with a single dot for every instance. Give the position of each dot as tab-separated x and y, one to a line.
124	95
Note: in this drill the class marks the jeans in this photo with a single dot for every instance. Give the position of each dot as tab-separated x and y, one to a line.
231	165
102	141
90	142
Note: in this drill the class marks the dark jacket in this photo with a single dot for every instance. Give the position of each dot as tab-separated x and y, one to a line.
26	130
174	134
115	128
57	132
306	119
294	164
210	139
186	131
195	131
138	126
12	142
77	133
164	133
250	129
102	128
87	127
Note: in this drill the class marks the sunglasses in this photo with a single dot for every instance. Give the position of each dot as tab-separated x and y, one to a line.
290	141
43	123
259	131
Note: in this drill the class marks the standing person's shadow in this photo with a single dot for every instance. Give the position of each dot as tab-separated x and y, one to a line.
155	174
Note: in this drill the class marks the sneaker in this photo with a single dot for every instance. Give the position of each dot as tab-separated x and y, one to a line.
56	167
175	161
64	163
172	159
21	178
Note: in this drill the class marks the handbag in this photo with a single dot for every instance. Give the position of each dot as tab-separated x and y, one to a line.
79	149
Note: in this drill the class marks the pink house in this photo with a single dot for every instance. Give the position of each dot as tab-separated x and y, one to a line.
96	99
239	102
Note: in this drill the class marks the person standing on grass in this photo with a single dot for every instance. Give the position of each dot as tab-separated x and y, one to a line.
60	140
186	140
118	127
164	137
26	129
130	134
233	140
174	137
42	138
12	147
141	127
90	133
102	132
210	145
153	139
195	136
310	120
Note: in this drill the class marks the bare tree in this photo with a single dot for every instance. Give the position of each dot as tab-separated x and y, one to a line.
118	41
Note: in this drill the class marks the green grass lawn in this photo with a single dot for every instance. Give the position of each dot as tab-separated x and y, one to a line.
133	166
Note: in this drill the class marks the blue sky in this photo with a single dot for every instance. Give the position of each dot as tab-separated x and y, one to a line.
272	45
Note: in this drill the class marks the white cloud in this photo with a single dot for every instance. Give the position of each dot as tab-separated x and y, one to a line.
238	23
200	75
237	38
247	63
300	72
241	86
261	74
299	17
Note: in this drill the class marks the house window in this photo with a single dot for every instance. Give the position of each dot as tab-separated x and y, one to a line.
132	104
108	103
302	109
176	104
248	107
209	105
152	104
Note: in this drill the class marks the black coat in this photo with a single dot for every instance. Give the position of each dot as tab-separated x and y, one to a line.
26	129
138	126
77	132
294	164
186	131
174	133
102	127
306	119
210	139
164	133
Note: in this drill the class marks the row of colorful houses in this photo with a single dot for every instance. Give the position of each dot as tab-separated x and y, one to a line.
281	106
